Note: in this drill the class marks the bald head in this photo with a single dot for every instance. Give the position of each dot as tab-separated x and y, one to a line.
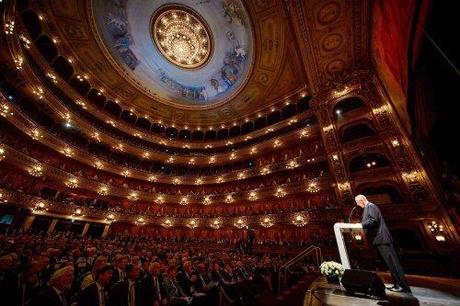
361	200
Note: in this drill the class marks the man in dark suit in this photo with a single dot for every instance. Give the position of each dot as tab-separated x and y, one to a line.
56	293
152	287
95	294
377	232
129	291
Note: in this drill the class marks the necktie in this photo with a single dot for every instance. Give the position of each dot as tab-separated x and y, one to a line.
132	295
101	297
157	286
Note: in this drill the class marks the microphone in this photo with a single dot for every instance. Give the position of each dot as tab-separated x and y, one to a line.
351	213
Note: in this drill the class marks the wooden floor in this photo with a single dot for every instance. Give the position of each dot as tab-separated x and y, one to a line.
426	291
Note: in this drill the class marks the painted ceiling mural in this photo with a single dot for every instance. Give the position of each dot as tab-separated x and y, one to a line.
193	52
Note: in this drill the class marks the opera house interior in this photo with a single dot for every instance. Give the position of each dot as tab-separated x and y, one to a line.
229	152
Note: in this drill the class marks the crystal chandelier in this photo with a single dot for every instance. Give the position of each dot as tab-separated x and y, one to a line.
192	224
36	170
240	223
167	223
267	222
182	36
299	220
216	224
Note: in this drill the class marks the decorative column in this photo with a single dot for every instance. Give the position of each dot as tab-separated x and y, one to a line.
335	160
106	230
85	229
28	223
52	226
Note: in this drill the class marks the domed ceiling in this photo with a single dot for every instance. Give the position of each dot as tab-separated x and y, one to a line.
192	53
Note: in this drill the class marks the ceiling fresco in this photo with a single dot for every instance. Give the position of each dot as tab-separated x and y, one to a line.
192	52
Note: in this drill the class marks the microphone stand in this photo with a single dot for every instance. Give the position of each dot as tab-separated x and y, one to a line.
351	213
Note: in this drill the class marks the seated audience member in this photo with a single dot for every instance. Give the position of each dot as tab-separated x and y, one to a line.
153	291
56	293
95	294
129	291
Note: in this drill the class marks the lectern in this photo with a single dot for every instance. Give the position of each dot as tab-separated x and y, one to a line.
339	229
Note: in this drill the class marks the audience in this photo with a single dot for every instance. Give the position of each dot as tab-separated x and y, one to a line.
121	270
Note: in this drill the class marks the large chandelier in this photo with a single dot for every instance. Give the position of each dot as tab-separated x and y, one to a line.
72	183
182	36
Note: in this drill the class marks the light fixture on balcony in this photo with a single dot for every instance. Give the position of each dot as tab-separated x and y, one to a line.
9	27
2	153
277	143
198	181
126	173
292	164
299	220
40	207
36	170
67	152
78	212
152	178
395	143
303	133
241	175
183	201
229	198
96	136
98	164
312	187
35	134
140	221
110	218
207	200
72	182
146	155
216	224
212	159
437	230
103	190
371	164
167	223
232	156
192	224
279	193
253	150
159	199
5	110
176	181
240	223
133	196
267	222
252	196
191	161
265	171
170	160
220	179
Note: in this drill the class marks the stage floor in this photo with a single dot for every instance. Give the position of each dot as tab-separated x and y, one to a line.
322	293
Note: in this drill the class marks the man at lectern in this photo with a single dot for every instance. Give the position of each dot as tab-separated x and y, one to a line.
377	232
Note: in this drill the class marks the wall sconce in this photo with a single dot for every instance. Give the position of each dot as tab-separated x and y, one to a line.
267	222
437	230
159	199
216	224
192	224
299	220
140	221
103	191
207	200
279	193
167	223
240	223
229	198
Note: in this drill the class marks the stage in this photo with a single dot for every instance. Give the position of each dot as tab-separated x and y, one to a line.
429	291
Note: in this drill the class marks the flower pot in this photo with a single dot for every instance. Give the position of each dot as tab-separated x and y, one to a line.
332	280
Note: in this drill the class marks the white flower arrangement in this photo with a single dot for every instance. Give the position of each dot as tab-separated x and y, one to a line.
332	269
